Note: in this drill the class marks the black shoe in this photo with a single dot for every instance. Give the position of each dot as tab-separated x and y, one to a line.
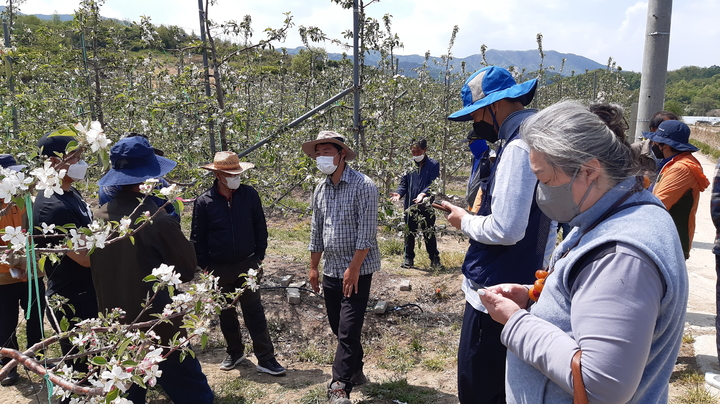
232	361
407	264
435	264
271	367
11	378
337	395
359	378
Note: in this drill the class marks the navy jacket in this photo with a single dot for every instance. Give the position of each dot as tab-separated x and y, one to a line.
225	233
418	181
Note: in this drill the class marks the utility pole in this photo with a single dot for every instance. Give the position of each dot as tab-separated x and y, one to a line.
207	73
356	74
655	60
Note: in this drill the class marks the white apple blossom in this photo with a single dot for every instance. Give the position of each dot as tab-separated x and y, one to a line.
167	274
48	179
170	191
15	236
116	377
77	239
48	229
124	225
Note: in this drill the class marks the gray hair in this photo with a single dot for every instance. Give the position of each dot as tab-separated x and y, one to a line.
568	135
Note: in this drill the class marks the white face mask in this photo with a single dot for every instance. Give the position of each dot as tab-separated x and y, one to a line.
419	158
326	164
77	171
233	182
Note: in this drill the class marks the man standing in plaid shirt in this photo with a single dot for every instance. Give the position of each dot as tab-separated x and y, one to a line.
344	228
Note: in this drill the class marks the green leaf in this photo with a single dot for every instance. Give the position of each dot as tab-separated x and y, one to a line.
98	360
41	263
132	239
203	341
64	324
150	278
121	348
112	395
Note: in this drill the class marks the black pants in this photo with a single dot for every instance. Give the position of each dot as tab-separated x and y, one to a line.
85	306
346	316
254	315
12	297
481	360
184	382
717	304
423	219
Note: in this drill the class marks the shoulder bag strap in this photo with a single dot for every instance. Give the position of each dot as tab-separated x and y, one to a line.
579	393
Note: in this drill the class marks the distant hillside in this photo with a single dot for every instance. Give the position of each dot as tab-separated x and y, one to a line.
528	60
63	17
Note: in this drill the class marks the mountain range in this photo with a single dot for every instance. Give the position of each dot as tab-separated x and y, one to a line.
528	60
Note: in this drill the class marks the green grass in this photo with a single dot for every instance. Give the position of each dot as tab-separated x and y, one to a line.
238	391
693	383
434	364
399	359
391	246
313	354
317	395
706	149
400	391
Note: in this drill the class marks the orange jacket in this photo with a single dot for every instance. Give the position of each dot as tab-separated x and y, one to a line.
13	218
677	177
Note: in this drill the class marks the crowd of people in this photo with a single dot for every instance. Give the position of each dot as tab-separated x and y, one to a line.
597	317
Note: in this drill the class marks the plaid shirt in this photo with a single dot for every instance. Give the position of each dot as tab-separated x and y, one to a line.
345	220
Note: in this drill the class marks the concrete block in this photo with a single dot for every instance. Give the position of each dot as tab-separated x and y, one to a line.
405	285
298	284
293	296
285	280
380	307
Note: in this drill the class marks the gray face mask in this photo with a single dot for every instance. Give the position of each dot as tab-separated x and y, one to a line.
557	202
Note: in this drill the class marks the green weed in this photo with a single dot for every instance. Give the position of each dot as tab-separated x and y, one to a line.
317	395
400	391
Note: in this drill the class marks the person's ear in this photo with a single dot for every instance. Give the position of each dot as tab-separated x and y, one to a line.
591	170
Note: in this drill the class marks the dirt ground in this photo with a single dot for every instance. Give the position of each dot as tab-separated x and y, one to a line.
417	342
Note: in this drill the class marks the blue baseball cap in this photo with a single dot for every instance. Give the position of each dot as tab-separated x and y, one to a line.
133	161
675	134
488	85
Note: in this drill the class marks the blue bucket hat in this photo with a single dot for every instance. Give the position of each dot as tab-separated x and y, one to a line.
488	85
675	134
134	161
9	162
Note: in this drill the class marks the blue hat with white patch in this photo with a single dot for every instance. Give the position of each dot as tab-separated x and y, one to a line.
488	85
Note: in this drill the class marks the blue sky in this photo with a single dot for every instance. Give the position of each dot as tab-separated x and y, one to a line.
597	29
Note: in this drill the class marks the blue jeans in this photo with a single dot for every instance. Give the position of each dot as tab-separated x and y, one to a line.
184	382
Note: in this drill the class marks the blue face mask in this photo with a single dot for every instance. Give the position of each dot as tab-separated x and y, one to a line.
478	147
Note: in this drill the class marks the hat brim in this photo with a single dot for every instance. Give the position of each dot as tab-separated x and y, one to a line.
136	175
243	167
683	147
523	92
309	148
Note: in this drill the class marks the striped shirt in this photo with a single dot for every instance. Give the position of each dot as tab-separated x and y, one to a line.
345	220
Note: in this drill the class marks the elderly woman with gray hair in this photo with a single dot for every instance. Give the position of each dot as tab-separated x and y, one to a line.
613	298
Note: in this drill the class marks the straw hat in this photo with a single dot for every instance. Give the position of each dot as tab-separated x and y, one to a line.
228	162
328	136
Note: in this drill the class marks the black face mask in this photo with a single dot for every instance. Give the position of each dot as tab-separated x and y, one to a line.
657	152
485	131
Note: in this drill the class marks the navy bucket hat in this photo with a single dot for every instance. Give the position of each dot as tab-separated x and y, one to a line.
9	162
488	85
133	161
675	134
